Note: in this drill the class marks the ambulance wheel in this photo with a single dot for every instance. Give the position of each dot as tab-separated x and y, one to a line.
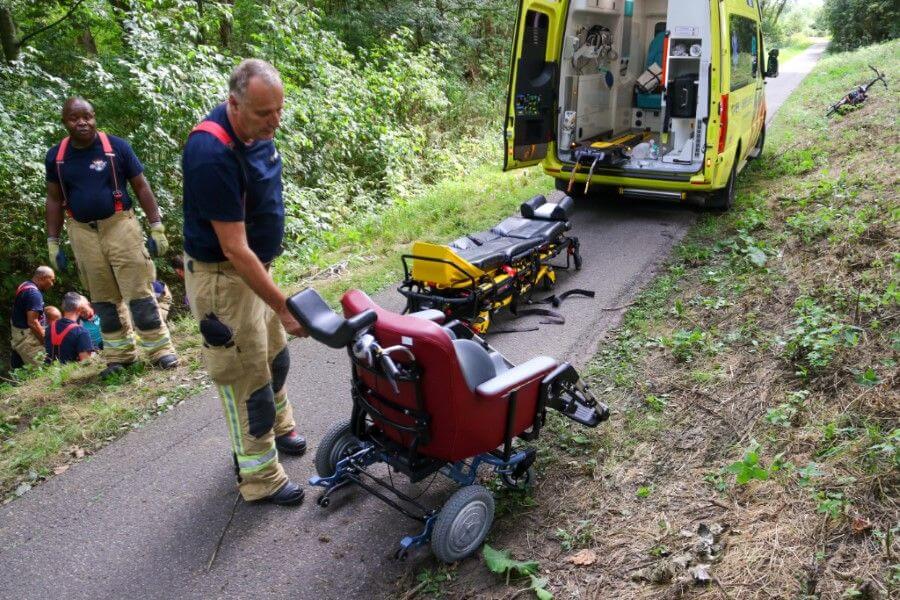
463	523
339	442
722	200
522	483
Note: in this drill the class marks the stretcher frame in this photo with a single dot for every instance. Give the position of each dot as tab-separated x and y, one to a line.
479	295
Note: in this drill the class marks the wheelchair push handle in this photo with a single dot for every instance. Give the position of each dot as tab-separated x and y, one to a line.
323	324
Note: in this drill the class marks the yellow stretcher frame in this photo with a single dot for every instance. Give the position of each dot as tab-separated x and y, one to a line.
441	276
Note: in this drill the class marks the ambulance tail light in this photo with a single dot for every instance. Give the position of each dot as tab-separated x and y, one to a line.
723	122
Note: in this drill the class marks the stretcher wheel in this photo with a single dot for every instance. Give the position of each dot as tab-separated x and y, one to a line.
521	483
339	442
578	262
463	523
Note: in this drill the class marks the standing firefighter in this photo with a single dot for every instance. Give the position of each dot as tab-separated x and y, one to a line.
233	229
86	175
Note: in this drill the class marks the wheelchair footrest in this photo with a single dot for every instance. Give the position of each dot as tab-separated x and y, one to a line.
564	391
588	416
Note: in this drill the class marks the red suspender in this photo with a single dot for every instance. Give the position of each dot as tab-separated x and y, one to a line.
25	286
111	159
56	338
60	157
218	132
215	130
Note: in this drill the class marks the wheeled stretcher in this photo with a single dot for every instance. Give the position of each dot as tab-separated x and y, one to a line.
478	274
432	398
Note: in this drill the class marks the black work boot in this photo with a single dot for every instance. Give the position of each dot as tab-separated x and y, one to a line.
291	443
113	368
166	362
290	494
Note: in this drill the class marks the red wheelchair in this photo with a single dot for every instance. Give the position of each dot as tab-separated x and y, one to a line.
431	398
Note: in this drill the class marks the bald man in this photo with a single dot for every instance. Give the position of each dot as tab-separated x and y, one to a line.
86	187
233	229
27	319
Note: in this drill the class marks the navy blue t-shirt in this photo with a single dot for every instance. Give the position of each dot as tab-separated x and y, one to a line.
76	341
30	298
214	183
86	177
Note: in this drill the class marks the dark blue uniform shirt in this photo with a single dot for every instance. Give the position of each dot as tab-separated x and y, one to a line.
214	185
30	298
86	177
76	341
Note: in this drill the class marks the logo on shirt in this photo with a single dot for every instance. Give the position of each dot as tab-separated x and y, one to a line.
98	165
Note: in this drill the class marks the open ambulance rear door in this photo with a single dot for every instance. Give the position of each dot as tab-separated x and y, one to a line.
533	82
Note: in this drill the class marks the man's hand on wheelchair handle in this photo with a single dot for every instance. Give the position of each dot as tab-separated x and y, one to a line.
291	325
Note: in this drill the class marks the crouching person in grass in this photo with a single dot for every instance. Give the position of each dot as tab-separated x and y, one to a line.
27	320
66	340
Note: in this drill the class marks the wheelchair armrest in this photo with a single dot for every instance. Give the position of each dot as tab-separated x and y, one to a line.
509	381
431	314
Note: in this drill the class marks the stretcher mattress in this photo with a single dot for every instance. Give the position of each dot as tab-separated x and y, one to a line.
541	223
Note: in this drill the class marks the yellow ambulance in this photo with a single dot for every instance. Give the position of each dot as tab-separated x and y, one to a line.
642	98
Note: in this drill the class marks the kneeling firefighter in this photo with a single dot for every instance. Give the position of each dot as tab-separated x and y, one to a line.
86	175
233	229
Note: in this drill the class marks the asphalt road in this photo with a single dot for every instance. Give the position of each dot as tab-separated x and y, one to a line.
143	517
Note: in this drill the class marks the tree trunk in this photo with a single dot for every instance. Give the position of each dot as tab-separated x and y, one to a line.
8	38
86	40
225	28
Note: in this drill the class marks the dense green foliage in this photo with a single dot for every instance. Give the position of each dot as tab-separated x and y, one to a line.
366	122
855	23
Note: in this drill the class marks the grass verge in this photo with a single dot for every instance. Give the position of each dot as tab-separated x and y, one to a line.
59	414
754	446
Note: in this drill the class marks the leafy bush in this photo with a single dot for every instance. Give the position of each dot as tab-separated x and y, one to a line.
361	128
855	23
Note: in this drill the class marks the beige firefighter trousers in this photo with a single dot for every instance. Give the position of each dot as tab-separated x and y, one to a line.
27	345
245	354
116	268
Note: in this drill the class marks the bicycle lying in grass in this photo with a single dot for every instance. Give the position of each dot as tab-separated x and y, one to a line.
859	94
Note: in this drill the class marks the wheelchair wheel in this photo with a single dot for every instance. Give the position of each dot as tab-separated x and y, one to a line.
521	483
338	443
463	523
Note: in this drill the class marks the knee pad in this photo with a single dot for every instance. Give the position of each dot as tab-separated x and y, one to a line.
261	411
109	317
145	314
280	365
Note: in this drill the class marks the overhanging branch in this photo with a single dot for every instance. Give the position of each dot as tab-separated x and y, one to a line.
27	37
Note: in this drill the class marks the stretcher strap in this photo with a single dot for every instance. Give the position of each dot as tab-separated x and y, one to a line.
557	300
553	317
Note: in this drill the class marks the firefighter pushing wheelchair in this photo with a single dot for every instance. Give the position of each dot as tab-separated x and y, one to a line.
431	398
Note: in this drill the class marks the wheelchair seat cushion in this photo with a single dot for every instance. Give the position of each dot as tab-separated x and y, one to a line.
475	362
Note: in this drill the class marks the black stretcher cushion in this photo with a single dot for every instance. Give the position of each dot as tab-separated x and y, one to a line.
539	208
520	228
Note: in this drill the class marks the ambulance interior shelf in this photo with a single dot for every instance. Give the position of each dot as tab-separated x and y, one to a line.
604	114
